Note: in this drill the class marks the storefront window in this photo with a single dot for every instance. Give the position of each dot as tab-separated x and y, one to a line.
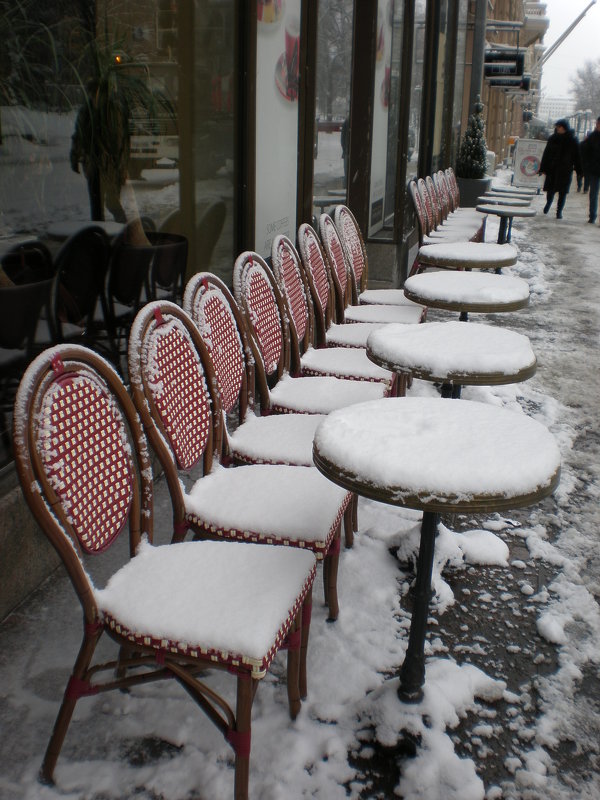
94	100
386	109
416	88
277	95
333	82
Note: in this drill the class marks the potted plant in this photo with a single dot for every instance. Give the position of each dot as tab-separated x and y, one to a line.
472	160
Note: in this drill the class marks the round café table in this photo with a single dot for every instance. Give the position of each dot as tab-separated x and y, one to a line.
506	214
503	200
482	292
516	190
453	354
436	456
467	255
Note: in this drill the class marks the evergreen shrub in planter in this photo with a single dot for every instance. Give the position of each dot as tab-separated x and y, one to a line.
472	160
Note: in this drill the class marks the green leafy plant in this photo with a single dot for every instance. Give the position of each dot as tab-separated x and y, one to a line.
472	155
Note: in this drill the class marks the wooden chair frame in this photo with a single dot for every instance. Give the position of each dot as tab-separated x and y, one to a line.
68	364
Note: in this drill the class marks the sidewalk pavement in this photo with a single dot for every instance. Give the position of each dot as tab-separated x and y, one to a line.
542	739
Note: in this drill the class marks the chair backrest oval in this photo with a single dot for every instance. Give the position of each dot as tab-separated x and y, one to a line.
436	204
257	295
427	204
419	208
337	260
439	181
315	265
174	379
211	306
352	242
453	187
286	268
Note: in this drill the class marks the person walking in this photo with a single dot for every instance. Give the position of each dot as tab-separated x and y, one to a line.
590	156
561	156
100	142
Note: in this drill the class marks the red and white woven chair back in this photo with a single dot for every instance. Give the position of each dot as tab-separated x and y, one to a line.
439	181
286	267
351	241
256	295
175	379
214	318
312	256
84	452
335	251
436	203
453	187
419	208
427	204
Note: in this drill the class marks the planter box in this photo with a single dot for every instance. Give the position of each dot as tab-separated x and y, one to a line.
472	188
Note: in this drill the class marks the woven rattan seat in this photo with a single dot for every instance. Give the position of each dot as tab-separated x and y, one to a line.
173	610
175	390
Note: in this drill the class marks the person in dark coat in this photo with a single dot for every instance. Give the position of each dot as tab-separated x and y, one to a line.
590	155
561	156
100	142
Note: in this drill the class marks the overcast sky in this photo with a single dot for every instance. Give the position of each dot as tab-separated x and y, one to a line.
582	44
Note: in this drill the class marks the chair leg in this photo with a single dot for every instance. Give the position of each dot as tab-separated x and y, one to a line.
355	512
74	690
245	694
306	615
293	666
330	571
349	525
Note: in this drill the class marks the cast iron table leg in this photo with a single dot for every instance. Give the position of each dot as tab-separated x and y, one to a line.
502	230
412	672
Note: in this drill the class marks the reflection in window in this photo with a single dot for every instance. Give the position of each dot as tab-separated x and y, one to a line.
333	78
90	121
386	110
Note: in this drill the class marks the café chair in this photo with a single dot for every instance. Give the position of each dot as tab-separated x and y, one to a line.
28	262
342	362
174	388
319	279
174	611
279	390
341	271
248	438
356	255
77	309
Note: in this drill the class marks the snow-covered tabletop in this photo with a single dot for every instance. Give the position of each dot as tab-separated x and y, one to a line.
454	352
516	190
438	455
470	255
468	291
506	211
504	200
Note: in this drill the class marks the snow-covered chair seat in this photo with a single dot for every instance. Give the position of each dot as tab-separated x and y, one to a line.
262	303
174	610
175	390
351	363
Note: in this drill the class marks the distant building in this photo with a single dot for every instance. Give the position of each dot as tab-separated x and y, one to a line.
553	108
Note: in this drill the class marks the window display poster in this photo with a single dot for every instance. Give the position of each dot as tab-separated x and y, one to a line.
381	103
526	162
277	84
